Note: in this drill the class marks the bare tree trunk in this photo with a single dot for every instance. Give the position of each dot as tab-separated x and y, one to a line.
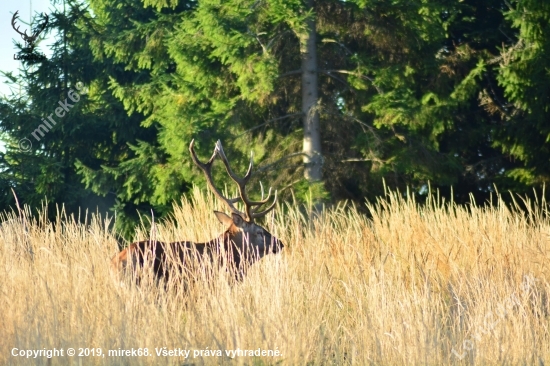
313	159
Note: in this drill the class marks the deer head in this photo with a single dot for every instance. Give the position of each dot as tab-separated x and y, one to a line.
252	240
29	40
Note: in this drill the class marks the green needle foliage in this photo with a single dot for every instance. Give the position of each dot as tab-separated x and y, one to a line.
452	95
524	75
230	70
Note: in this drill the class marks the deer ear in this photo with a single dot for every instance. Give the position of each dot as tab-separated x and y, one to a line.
223	218
237	219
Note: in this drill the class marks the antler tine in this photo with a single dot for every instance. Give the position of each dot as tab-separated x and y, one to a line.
271	207
241	183
42	26
263	201
207	170
13	19
249	170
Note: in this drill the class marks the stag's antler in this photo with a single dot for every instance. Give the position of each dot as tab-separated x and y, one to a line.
251	207
13	19
207	170
27	38
251	212
42	27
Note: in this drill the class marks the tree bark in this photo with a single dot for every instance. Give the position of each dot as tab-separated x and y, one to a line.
313	159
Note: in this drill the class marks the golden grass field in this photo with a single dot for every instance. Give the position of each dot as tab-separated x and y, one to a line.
432	284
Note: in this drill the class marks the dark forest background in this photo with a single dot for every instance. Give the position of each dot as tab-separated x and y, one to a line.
446	95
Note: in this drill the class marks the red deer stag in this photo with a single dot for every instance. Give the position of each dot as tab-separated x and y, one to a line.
243	242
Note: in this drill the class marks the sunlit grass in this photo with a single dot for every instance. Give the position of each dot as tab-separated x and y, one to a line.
433	284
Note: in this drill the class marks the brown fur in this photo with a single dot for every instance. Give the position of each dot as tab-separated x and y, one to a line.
241	245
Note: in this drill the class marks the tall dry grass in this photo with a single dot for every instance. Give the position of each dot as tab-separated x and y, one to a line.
428	285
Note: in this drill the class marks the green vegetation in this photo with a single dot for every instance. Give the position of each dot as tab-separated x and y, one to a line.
443	93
